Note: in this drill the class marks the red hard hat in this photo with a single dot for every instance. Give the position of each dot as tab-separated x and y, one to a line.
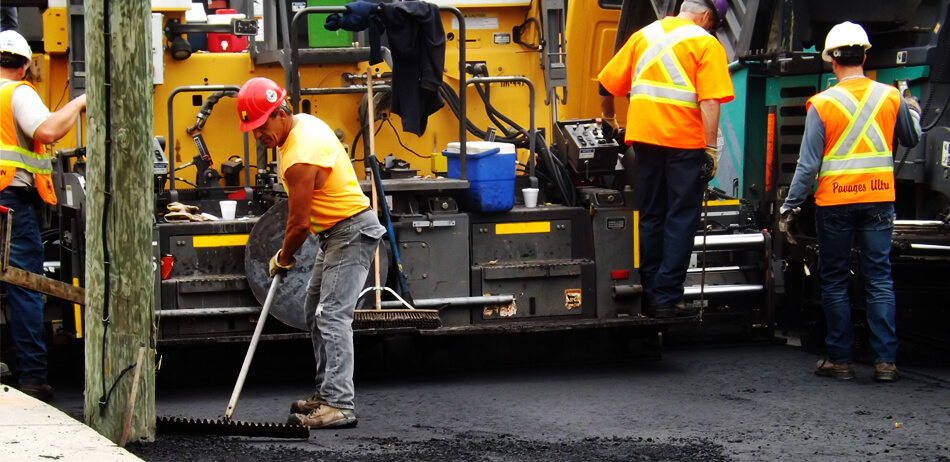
256	100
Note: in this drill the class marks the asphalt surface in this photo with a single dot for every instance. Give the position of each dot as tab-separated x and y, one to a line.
559	398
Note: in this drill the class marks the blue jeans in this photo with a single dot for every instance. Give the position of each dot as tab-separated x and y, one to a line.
671	197
339	272
870	227
25	311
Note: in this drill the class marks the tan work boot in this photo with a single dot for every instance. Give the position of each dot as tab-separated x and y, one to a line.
306	406
325	416
842	371
885	372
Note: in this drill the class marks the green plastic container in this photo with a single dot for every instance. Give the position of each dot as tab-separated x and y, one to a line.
319	37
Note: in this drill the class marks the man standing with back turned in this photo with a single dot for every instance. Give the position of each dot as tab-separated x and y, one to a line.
849	132
677	75
325	199
25	168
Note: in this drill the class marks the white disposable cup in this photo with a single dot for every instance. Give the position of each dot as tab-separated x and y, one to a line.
227	209
530	197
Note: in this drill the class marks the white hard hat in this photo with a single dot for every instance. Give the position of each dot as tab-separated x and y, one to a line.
843	35
14	43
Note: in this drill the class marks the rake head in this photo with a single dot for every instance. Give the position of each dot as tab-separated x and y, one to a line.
381	319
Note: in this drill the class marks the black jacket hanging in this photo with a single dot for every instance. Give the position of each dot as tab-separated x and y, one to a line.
417	42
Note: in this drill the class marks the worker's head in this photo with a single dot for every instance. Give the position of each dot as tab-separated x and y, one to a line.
846	45
708	14
263	109
15	52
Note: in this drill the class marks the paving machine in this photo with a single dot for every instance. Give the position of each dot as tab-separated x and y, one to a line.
503	267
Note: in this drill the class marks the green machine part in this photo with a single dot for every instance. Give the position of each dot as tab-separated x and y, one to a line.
761	130
742	137
319	37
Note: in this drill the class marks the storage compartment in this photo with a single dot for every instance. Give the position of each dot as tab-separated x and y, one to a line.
490	171
225	43
319	36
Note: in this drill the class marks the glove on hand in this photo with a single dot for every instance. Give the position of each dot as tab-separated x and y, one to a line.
609	126
787	224
710	164
912	103
275	265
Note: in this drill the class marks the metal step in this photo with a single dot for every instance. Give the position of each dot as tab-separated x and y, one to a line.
726	289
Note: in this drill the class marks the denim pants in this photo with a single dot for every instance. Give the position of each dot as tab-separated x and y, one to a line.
870	227
671	198
25	312
339	273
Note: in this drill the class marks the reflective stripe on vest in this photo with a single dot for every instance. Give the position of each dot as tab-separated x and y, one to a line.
841	158
32	162
679	90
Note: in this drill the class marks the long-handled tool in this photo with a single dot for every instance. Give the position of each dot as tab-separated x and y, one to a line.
253	346
230	427
378	317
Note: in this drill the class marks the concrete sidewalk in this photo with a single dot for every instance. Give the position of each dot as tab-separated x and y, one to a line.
31	430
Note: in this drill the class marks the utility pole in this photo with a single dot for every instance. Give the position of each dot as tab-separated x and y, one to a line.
120	295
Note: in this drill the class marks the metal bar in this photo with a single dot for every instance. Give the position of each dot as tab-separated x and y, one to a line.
202	312
253	310
48	286
531	129
172	192
729	240
344	90
455	301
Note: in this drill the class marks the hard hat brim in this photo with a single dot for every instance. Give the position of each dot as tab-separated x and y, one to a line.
252	124
826	54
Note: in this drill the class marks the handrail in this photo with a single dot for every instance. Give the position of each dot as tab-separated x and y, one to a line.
291	73
531	129
173	193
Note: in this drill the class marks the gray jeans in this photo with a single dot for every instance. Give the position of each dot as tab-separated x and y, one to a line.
339	272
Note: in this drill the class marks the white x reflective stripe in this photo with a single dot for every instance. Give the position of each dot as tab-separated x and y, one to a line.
662	46
861	122
29	161
673	70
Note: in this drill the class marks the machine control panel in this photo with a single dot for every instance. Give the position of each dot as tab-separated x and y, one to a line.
586	147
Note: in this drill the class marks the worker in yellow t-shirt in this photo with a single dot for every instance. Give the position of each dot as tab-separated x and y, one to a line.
324	199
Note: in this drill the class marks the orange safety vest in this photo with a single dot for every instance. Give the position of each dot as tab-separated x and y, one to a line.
858	165
668	67
33	159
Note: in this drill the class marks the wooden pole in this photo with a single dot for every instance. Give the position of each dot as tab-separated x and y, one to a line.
120	208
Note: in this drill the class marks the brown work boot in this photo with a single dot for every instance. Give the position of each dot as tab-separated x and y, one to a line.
885	372
325	416
40	391
682	309
842	371
306	406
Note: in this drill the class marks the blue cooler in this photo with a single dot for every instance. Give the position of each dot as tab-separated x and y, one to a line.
490	171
